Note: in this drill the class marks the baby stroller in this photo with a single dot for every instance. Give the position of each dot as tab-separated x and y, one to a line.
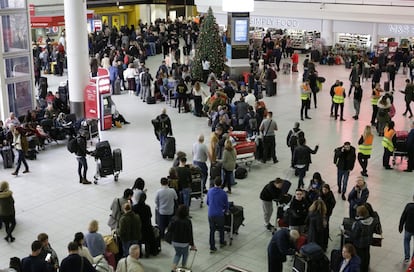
107	162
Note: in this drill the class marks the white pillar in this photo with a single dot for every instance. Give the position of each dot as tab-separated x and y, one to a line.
327	32
77	53
374	35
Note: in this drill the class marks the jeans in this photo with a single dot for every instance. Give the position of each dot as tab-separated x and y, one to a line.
301	173
204	172
152	48
227	178
180	252
82	163
162	139
357	106
216	223
126	245
185	196
21	159
342	177
407	241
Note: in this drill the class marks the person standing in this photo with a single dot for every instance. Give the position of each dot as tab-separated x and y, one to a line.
52	262
292	139
268	128
410	149
408	97
344	159
283	243
7	211
181	230
80	153
302	159
184	182
215	148
116	208
229	164
145	84
358	196
164	126
298	211
305	92
218	205
388	142
338	99
270	192
332	93
131	262
20	144
129	228
329	199
200	157
34	263
165	199
407	224
365	149
181	89
357	99
375	96
313	79
351	262
376	76
317	223
94	240
353	78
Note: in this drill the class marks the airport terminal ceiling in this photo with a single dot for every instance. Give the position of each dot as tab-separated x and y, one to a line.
102	3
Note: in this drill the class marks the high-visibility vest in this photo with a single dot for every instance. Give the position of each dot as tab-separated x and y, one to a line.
375	97
305	92
338	97
387	139
366	147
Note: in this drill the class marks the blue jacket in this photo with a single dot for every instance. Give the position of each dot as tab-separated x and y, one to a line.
280	245
353	265
113	73
217	202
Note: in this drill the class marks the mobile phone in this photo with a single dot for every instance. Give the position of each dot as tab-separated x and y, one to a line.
47	259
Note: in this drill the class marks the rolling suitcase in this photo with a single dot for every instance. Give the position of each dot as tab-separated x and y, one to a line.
117	156
187	269
7	157
245	148
117	86
299	265
336	259
312	251
168	148
156	246
151	100
239	136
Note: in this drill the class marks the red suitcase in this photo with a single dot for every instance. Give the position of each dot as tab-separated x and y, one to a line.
245	148
239	136
401	135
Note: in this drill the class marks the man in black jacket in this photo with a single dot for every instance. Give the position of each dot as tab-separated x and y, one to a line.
74	261
271	191
344	158
407	222
164	127
34	263
80	153
302	159
283	243
357	99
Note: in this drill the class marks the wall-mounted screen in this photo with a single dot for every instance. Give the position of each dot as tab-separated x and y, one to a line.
241	31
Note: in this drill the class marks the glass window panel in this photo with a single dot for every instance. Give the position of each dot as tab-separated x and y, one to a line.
20	97
12	3
17	67
15	32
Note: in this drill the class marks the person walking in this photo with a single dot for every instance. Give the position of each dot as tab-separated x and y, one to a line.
165	199
338	99
388	142
357	99
21	145
129	228
292	139
81	152
164	127
407	224
7	210
200	157
218	205
305	92
365	149
410	149
353	78
408	97
184	182
270	192
181	230
344	159
229	164
268	128
283	243
302	159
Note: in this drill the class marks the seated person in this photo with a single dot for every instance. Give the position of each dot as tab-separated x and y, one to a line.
12	120
118	117
59	104
50	113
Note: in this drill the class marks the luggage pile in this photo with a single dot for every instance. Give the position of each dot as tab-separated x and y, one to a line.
245	148
108	162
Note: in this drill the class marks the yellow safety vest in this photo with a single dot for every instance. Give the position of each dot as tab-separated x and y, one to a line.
305	92
375	97
338	98
366	147
387	139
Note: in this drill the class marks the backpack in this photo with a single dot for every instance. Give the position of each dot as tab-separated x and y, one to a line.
241	173
145	79
73	145
294	136
252	122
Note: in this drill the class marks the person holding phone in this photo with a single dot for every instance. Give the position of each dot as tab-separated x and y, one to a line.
344	159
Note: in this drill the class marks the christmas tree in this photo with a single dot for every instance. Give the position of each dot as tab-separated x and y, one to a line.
209	47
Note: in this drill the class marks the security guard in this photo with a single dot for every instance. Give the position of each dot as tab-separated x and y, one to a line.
365	149
305	92
376	94
338	99
388	142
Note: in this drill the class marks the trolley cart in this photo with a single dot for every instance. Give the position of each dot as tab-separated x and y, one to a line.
196	184
233	219
246	159
190	268
400	149
108	162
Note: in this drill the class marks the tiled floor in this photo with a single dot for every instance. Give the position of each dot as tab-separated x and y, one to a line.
50	199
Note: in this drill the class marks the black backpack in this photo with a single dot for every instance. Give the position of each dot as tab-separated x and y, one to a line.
73	145
294	136
240	173
252	122
146	81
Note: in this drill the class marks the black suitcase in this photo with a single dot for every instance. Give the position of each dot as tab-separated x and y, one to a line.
238	217
168	149
155	248
106	166
103	150
299	265
387	86
336	259
312	251
215	170
64	94
151	100
240	173
8	157
31	154
117	86
259	149
117	156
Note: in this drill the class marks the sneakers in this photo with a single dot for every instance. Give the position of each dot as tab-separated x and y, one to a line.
406	261
269	227
85	181
343	197
223	244
14	173
213	250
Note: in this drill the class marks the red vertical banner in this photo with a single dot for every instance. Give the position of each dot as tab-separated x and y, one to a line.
91	101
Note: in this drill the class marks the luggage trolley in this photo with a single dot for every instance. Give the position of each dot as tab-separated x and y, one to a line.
400	149
107	162
196	184
233	220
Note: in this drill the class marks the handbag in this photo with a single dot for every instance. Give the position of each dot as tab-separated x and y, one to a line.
377	240
111	243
